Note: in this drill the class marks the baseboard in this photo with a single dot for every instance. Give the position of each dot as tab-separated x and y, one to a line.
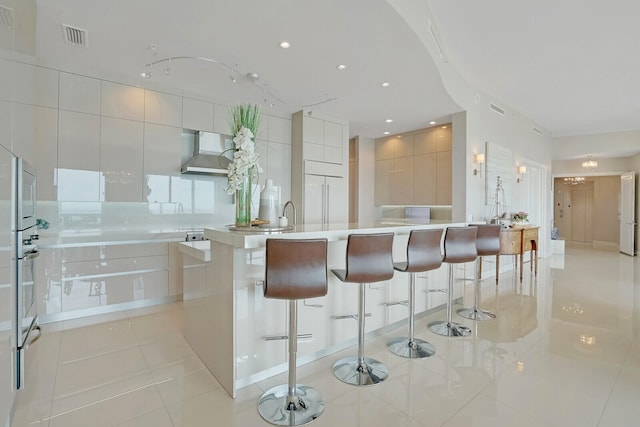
601	244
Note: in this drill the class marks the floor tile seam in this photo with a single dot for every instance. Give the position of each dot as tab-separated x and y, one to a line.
164	408
613	386
106	399
101	354
94	386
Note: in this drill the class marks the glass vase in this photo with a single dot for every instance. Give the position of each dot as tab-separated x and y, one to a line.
243	203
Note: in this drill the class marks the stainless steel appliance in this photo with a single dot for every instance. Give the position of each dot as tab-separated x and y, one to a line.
25	237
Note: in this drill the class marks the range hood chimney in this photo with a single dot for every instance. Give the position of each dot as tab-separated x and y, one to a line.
208	157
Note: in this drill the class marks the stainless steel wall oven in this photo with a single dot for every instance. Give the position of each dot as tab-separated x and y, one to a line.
25	238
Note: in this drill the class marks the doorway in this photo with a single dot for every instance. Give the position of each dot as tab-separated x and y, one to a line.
577	215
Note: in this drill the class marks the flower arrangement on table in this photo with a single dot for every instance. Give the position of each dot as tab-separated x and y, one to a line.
520	217
244	121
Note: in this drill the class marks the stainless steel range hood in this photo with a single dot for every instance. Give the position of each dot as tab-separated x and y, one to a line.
208	157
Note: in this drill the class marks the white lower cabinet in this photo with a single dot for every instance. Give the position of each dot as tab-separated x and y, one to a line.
86	277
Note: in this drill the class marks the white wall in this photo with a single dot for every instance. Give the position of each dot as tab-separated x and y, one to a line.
614	144
606	166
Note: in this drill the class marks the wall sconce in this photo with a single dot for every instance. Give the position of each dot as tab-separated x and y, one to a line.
478	159
521	171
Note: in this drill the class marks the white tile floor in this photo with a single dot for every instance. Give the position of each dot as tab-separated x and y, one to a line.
564	351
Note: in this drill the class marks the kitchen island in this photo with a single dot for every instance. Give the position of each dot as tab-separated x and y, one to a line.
241	336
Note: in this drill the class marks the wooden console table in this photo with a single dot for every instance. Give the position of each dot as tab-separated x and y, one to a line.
518	240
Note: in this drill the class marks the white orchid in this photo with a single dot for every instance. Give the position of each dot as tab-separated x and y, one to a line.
245	159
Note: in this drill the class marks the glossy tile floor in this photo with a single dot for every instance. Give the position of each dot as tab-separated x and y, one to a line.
564	351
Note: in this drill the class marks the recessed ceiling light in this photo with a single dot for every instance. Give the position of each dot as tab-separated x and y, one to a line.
386	132
432	122
285	44
389	120
385	84
341	67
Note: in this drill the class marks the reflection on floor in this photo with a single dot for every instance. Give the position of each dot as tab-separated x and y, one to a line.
564	351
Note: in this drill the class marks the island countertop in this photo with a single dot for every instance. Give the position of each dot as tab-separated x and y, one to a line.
256	237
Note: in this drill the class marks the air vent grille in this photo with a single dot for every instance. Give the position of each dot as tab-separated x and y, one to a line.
497	109
537	131
75	36
6	17
436	40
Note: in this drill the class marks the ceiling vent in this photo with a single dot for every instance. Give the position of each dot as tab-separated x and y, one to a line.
436	40
6	17
497	109
537	131
75	36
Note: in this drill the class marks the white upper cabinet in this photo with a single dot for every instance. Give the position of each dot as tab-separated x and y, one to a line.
123	102
121	159
162	108
79	93
279	130
324	140
221	119
197	115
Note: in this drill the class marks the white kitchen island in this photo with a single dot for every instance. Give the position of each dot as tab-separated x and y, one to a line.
241	336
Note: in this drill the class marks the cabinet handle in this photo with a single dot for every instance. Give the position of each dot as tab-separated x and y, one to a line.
304	303
286	337
327	205
350	316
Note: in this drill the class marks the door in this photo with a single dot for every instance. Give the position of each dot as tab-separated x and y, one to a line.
627	213
582	214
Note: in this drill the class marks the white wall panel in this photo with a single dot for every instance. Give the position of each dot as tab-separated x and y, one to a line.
162	108
80	93
121	159
197	115
121	101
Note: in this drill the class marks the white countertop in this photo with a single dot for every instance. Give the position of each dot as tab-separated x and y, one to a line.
198	249
333	232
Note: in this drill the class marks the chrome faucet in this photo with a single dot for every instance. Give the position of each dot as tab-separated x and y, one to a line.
284	211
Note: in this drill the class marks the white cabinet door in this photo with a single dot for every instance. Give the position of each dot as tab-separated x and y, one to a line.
337	200
313	199
326	200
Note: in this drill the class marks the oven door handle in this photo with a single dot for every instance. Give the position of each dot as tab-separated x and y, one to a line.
31	338
32	255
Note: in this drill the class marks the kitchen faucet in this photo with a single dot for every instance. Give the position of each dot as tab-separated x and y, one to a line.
284	211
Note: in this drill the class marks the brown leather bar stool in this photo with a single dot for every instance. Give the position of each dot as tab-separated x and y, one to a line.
423	254
459	247
369	260
295	269
487	243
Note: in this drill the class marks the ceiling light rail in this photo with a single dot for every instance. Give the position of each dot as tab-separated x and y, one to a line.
234	74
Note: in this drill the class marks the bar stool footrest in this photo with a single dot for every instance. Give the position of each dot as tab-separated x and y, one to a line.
452	329
412	349
351	371
307	402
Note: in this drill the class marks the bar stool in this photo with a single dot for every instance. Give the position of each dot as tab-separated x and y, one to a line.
423	254
487	243
369	260
295	269
459	247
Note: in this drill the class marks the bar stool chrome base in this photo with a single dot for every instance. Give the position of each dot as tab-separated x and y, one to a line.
354	371
277	407
449	329
476	314
412	349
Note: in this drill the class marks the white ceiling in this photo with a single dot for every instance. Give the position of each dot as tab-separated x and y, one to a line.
569	66
365	35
